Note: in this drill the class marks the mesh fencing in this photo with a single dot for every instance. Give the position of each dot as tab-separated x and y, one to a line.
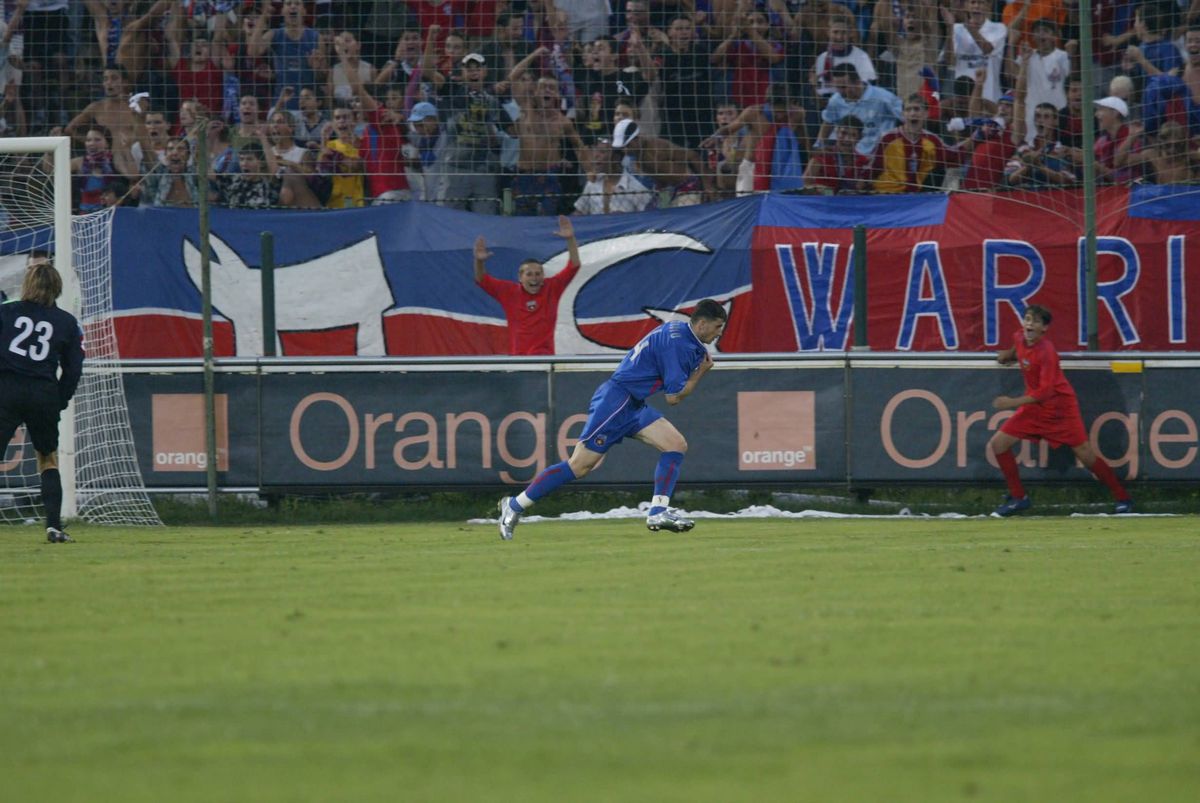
558	106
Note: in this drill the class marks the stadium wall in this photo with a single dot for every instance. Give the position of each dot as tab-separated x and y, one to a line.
853	419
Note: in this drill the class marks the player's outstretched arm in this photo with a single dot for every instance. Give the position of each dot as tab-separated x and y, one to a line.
481	256
693	380
1006	356
566	230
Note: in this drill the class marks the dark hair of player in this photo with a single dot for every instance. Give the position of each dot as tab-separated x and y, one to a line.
709	310
42	284
1040	312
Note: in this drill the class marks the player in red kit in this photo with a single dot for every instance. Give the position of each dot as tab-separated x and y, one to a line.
1048	411
530	303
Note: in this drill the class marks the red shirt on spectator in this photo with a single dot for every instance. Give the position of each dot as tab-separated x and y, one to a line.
988	162
384	155
448	14
1105	150
841	172
531	318
751	73
479	19
206	85
764	153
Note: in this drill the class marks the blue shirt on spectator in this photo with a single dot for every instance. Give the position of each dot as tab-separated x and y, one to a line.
289	60
879	110
1162	54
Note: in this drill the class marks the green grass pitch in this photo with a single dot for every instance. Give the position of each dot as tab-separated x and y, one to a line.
1042	659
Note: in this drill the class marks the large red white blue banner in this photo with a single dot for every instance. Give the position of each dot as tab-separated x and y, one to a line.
944	273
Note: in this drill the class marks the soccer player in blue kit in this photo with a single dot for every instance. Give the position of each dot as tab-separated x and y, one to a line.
673	358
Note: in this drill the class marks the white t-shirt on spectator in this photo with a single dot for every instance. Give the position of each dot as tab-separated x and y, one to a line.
1046	83
293	157
827	61
968	57
341	81
629	196
588	19
139	154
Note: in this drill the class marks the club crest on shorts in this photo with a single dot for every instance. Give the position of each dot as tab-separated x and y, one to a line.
599	440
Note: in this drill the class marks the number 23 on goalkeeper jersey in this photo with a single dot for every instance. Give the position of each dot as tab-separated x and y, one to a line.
35	341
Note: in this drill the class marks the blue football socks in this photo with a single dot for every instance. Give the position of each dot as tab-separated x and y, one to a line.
547	482
665	477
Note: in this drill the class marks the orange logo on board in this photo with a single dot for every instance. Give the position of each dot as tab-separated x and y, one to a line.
178	427
775	430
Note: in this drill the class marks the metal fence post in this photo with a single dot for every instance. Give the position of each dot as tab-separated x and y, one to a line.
267	253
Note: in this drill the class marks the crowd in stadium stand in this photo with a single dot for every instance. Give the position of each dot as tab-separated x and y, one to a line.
592	107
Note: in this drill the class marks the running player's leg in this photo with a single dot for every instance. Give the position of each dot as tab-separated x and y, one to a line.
612	415
579	465
1103	471
1001	446
662	435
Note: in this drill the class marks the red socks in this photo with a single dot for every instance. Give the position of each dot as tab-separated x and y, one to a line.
1105	474
1008	464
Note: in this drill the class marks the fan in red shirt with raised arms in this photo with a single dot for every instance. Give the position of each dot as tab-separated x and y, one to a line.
1048	411
530	303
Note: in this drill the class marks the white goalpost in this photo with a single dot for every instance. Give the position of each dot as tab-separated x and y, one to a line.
102	482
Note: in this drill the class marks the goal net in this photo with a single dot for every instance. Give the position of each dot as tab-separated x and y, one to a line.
102	482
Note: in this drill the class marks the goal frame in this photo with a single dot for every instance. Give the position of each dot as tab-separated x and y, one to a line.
59	149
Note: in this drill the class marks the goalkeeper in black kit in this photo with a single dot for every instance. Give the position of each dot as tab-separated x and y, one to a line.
37	339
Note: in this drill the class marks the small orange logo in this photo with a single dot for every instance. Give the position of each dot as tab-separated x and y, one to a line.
775	431
178	424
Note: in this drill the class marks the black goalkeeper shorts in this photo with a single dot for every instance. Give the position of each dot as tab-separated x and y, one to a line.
34	403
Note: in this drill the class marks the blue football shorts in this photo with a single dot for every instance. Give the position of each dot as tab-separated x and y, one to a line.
614	415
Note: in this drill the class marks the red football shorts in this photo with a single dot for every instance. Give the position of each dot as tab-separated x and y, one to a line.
1058	424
